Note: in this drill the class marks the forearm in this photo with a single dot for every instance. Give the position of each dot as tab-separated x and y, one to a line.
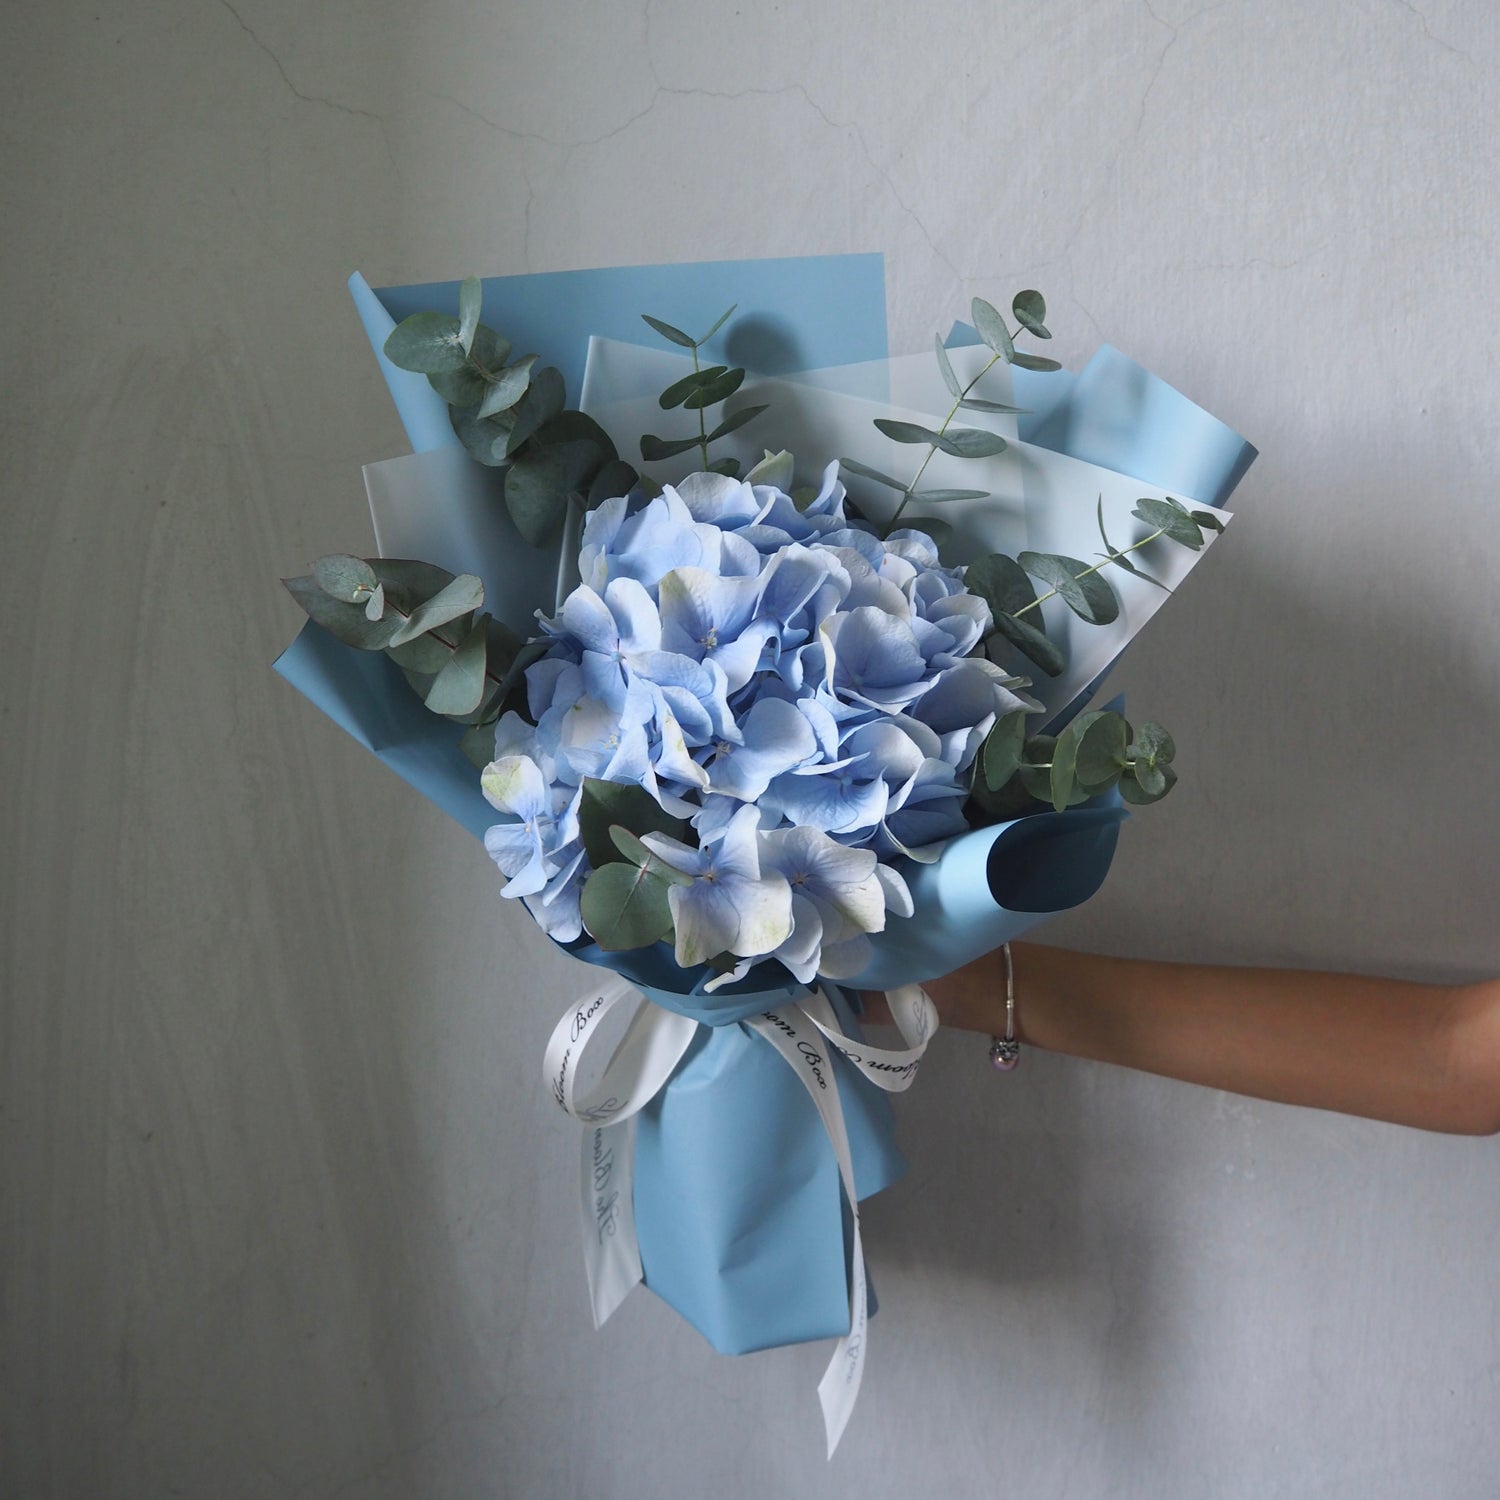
1415	1054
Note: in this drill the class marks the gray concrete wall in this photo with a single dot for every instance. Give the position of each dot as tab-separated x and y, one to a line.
283	1203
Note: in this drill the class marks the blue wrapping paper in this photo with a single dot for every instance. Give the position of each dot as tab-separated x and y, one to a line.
740	1216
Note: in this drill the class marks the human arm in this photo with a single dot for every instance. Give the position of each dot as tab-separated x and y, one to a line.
1415	1054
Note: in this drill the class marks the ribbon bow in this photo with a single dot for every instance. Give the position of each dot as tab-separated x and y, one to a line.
613	1052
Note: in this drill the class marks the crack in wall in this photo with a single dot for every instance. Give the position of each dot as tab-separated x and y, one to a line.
286	78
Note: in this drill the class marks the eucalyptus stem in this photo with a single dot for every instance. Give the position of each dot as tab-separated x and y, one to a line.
932	447
702	425
1113	557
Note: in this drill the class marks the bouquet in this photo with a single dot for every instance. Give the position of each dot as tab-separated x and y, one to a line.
788	725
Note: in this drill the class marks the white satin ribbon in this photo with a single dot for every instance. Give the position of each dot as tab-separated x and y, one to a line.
612	1053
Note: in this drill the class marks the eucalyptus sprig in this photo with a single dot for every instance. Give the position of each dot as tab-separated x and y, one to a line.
512	415
697	392
1094	753
963	442
463	664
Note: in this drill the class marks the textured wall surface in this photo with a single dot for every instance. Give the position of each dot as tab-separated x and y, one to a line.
284	1210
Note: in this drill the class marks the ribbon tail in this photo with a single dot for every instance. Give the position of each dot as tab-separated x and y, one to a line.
611	1254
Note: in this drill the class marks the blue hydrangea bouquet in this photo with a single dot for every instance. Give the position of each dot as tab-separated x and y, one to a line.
750	722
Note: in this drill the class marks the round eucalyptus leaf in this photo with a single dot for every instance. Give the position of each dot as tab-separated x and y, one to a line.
607	804
463	387
624	907
1134	790
1001	582
1002	748
485	441
463	594
612	481
346	622
1100	755
1063	783
349	579
1171	519
1030	310
1084	592
538	484
459	686
1154	744
545	397
940	533
638	854
426	343
510	385
375	604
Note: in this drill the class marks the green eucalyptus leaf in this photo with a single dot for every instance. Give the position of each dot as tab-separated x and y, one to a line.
729	467
409	579
971	442
1035	769
1025	637
478	744
715	391
346	622
1030	309
719	322
945	497
607	804
457	598
991	328
510	385
469	385
945	366
906	432
1062	783
349	579
1100	740
485	441
426	654
940	532
1154	743
426	343
375	604
1002	748
735	420
1035	362
538	484
545	397
577	427
470	301
997	408
1158	781
1207	518
458	688
1087	594
1001	582
612	481
655	449
638	854
866	472
1171	519
678	392
624	907
672	335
